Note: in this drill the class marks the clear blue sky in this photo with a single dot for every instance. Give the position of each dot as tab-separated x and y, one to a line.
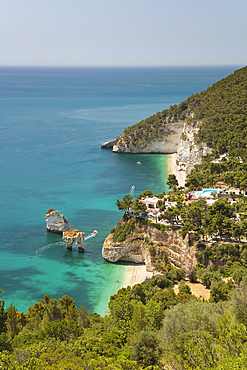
123	32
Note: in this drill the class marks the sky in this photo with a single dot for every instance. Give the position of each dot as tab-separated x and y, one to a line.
123	32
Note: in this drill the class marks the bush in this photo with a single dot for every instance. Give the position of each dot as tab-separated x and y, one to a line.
192	276
184	288
152	250
146	348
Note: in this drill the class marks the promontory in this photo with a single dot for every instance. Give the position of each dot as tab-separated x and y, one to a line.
207	132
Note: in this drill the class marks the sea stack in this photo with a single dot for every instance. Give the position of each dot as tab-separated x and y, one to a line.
74	235
56	223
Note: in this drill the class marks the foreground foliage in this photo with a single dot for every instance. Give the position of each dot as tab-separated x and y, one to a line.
148	326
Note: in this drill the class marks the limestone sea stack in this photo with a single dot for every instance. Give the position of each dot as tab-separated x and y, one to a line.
56	223
74	236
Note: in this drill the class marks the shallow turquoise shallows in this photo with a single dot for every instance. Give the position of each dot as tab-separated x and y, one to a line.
52	123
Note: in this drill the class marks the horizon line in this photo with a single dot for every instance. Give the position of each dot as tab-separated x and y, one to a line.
122	66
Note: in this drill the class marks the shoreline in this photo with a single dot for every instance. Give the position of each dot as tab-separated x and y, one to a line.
135	274
172	168
129	275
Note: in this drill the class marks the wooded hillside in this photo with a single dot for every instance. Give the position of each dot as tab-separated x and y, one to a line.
222	110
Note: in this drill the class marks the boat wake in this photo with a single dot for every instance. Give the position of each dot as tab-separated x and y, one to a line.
92	235
41	250
132	190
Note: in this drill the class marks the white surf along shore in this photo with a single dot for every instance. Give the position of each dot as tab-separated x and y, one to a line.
136	274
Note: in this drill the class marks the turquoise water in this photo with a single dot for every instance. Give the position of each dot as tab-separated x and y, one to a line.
52	122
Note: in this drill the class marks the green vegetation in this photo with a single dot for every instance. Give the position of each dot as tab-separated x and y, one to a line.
221	109
125	204
125	227
231	171
56	335
171	181
147	327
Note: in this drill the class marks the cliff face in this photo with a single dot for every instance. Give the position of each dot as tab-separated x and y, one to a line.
190	153
179	138
136	247
167	144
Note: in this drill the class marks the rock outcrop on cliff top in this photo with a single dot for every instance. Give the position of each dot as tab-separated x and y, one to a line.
55	222
136	247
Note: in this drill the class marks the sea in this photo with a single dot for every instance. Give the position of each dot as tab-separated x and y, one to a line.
52	124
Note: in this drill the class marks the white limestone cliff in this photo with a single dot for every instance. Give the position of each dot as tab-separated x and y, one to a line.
167	144
134	249
55	222
190	153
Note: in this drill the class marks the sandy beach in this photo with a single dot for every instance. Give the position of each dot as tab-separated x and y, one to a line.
136	274
172	168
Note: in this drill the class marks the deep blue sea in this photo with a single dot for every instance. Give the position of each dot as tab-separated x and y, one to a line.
52	123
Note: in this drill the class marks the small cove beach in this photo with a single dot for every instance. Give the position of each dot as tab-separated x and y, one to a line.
136	274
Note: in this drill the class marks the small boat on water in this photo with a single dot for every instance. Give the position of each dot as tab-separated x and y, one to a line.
95	232
139	162
132	187
117	281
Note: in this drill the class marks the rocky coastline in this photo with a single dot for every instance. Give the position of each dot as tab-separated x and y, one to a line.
108	144
184	154
136	248
179	142
165	145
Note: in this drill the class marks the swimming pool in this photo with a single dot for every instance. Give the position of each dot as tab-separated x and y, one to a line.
207	192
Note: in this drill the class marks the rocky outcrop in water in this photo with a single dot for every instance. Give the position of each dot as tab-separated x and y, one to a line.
56	223
108	144
136	247
74	236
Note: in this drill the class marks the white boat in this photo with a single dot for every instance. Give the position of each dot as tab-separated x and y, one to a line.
139	162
